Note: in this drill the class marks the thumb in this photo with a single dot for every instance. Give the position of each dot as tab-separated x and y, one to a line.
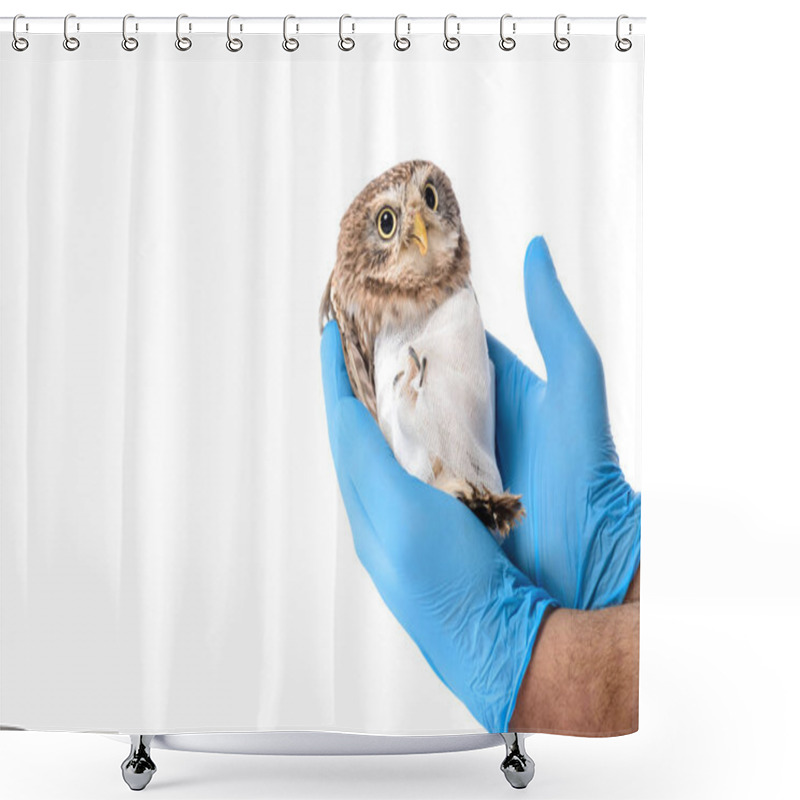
335	380
564	343
362	456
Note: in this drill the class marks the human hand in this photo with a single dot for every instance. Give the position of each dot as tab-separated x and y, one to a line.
435	565
580	539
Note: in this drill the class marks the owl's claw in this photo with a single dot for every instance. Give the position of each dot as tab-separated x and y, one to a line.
409	381
419	364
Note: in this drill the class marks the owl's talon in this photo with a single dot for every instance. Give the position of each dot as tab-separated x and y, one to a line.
408	382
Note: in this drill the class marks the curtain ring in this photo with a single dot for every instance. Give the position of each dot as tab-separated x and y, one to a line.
289	44
451	42
19	43
345	42
129	43
401	42
506	42
233	44
561	43
623	45
70	42
183	43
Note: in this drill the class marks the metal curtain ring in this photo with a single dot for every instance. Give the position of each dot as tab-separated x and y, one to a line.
233	44
18	42
451	42
183	43
623	45
506	42
345	42
561	43
129	43
289	44
70	42
401	42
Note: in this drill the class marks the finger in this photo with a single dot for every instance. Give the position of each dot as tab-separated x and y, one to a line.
510	372
362	455
335	379
515	388
502	357
564	343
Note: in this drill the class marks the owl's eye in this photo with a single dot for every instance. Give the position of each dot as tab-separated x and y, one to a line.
431	197
387	222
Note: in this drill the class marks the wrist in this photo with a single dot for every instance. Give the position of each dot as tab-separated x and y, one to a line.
539	607
518	609
481	647
616	539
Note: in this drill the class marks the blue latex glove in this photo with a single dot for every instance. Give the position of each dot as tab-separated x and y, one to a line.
580	538
471	612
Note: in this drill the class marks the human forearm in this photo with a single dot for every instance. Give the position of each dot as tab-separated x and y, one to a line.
583	676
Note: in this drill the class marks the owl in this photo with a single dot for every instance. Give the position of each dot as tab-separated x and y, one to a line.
413	337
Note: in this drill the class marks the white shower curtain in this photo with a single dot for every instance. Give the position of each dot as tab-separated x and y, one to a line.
175	553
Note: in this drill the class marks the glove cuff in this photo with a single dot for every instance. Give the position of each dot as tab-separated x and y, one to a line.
517	614
539	606
615	542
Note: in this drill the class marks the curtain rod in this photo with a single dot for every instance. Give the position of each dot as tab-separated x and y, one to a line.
329	25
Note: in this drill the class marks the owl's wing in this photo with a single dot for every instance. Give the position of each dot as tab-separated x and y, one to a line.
326	310
358	358
357	349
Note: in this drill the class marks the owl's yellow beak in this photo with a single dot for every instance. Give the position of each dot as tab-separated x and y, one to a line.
420	233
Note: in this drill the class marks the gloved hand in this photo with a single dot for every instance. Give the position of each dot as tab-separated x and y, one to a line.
471	612
580	537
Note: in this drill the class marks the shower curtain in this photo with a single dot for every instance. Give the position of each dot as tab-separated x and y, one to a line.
176	553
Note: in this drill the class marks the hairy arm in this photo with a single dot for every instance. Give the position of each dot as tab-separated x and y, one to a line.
583	676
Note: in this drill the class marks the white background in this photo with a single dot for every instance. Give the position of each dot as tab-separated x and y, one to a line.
720	603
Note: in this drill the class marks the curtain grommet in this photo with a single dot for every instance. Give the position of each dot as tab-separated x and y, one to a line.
233	44
623	44
401	43
71	43
19	43
346	43
451	43
507	42
183	43
129	43
561	43
289	44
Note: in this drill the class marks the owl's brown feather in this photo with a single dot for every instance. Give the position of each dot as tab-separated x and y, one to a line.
326	313
357	349
358	358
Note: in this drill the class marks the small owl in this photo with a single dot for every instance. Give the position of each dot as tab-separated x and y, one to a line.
413	338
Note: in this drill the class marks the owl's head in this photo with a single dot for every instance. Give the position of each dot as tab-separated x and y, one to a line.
402	245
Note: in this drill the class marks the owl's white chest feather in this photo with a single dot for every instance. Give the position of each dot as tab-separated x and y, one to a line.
443	428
